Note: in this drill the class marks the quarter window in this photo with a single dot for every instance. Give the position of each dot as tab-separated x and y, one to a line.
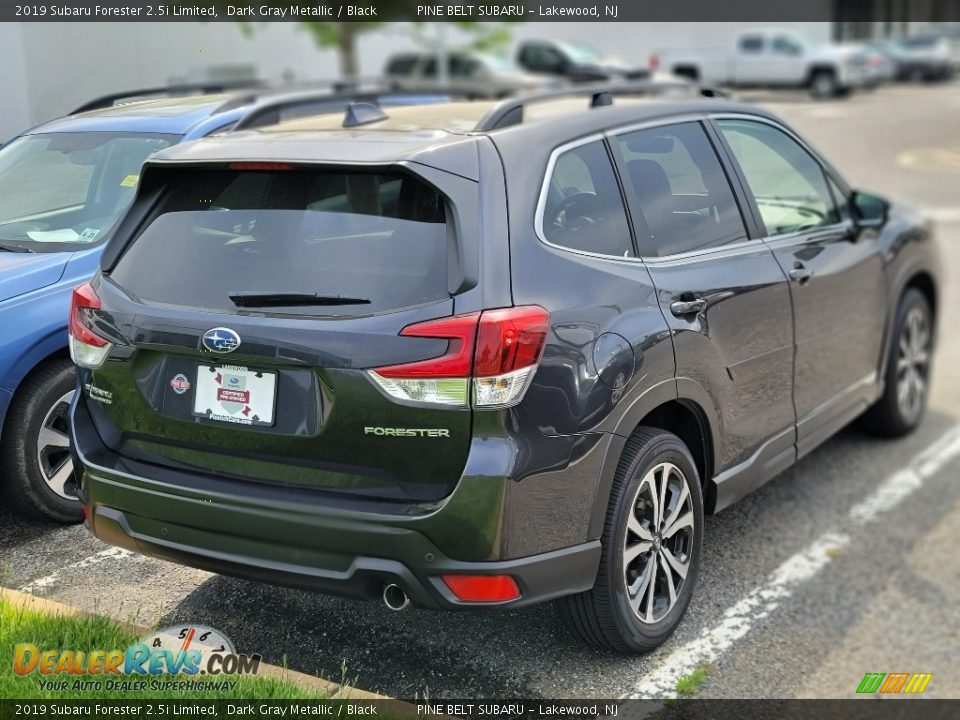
583	209
680	197
787	182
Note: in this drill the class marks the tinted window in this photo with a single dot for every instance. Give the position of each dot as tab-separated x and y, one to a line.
680	195
541	57
840	200
583	208
462	67
789	185
786	45
751	44
381	237
402	65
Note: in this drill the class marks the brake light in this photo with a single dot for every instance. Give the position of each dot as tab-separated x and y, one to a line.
482	588
87	349
259	165
496	352
654	62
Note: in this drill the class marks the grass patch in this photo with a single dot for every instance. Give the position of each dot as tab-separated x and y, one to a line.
59	632
689	685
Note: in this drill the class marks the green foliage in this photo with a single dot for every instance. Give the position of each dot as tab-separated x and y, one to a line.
689	685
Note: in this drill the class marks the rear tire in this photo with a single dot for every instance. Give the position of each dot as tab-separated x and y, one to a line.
823	85
35	465
644	537
907	380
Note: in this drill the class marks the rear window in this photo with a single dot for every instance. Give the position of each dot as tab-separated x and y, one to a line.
378	240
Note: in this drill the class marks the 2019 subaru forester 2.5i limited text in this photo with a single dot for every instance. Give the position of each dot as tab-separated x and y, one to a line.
479	355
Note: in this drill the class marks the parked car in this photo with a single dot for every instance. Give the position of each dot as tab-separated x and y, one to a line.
924	58
63	187
772	58
450	369
880	63
575	62
477	75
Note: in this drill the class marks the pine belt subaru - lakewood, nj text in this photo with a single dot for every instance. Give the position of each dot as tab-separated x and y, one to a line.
487	354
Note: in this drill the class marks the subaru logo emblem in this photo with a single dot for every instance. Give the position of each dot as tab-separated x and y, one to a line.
220	340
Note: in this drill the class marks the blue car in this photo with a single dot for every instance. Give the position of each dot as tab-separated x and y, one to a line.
63	187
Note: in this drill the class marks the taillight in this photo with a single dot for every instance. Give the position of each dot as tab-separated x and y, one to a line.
496	352
482	588
509	345
654	62
87	349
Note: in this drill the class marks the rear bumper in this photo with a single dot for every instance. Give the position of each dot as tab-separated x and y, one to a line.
288	536
540	577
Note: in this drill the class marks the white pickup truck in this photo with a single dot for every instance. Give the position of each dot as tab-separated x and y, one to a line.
771	58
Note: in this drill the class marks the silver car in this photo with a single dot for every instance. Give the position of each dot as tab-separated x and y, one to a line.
474	74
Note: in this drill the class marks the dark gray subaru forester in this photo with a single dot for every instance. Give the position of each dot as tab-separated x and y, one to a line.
487	355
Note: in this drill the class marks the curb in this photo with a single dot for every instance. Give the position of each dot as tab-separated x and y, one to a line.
328	688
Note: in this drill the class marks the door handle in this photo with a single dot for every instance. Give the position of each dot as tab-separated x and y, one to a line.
688	307
800	273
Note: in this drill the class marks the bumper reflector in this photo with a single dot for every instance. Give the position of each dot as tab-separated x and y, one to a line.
482	588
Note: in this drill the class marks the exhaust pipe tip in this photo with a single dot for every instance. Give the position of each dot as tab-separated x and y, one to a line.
395	598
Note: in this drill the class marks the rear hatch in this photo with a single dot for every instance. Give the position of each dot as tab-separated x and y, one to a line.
246	314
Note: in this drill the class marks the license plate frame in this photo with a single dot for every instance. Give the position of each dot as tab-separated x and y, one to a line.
236	394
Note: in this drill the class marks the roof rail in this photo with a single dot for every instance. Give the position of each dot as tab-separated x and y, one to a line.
113	99
270	109
510	112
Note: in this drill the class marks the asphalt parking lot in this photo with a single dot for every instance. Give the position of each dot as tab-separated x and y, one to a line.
845	564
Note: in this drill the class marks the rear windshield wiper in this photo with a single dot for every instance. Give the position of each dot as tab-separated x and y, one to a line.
9	247
278	299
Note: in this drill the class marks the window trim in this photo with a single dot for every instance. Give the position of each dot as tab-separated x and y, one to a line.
545	188
828	171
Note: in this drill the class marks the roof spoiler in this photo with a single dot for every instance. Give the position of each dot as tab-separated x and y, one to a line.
510	112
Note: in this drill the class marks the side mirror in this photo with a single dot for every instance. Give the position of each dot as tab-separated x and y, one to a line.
869	211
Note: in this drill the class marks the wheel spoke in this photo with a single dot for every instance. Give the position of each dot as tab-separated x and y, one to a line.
634	526
651	480
651	588
633	551
638	592
671	590
678	567
662	504
50	437
905	344
58	480
684	493
685	520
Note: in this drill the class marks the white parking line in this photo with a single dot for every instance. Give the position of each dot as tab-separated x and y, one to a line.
738	620
53	578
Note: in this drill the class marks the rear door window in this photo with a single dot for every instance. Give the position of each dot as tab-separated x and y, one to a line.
377	240
583	209
681	200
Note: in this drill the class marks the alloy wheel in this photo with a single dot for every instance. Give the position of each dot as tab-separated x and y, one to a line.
53	449
658	542
913	360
